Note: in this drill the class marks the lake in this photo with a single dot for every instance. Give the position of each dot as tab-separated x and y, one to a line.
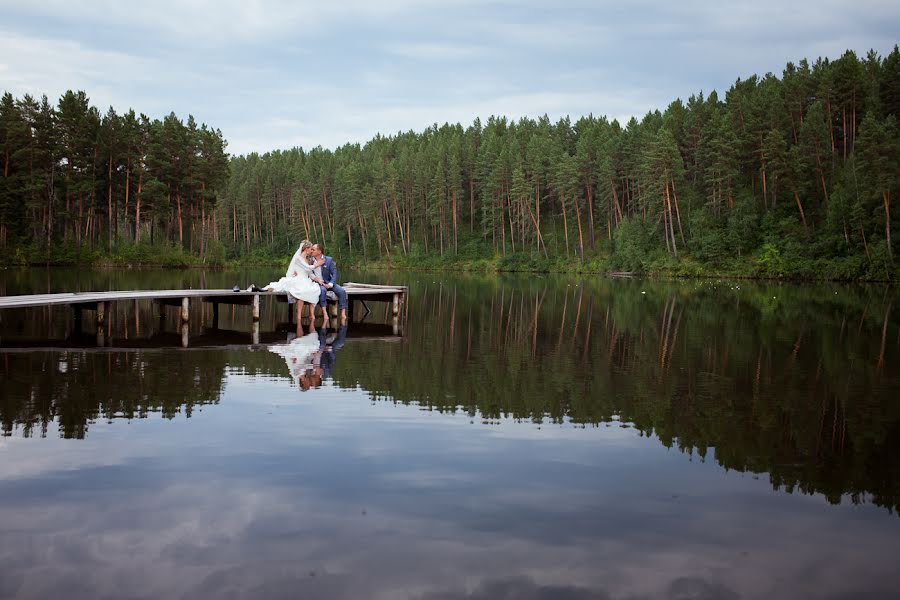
525	436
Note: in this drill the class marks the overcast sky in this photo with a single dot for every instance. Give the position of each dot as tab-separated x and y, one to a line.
278	74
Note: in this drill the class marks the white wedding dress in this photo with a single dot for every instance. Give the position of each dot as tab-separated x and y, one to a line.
300	286
299	355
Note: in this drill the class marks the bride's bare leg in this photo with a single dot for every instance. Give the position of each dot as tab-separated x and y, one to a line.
300	304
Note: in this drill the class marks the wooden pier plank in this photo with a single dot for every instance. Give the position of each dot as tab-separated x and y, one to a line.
90	300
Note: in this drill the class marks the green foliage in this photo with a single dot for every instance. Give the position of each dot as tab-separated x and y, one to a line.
775	180
769	261
635	246
709	237
742	228
74	177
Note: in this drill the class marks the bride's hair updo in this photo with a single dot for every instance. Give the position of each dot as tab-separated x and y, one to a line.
305	244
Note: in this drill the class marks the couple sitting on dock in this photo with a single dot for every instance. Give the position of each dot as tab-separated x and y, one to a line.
311	278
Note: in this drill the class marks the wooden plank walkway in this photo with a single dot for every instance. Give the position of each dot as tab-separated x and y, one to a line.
99	301
357	291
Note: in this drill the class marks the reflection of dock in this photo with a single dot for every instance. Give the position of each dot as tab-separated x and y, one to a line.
99	303
211	338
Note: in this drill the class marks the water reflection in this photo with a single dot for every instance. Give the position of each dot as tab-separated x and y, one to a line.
798	382
311	357
527	437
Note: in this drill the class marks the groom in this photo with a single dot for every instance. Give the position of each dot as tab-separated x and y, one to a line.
328	282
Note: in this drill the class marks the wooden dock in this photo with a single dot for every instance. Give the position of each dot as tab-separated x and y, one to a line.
99	302
167	340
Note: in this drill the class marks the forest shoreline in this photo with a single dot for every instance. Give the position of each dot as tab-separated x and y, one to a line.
784	177
685	270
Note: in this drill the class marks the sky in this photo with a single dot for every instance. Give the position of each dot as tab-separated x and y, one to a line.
279	74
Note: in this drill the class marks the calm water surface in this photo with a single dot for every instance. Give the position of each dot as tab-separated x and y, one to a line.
525	437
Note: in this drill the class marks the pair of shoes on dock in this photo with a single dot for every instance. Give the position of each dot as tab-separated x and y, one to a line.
254	289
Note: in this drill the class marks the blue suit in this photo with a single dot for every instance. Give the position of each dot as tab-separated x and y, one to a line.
330	276
330	347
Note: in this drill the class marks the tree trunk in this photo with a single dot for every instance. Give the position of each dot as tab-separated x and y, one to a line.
590	198
844	130
580	232
180	221
109	208
127	196
671	224
512	233
665	215
765	192
677	213
471	206
455	232
502	226
802	214
137	210
618	206
78	225
821	172
886	197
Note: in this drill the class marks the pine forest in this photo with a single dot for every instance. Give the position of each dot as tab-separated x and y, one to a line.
781	176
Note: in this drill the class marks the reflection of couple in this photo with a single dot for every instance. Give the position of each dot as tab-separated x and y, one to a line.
311	278
310	357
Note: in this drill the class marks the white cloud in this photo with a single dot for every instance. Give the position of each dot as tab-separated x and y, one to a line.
437	51
277	74
225	21
39	66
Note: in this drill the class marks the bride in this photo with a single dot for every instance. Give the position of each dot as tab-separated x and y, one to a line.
298	284
303	357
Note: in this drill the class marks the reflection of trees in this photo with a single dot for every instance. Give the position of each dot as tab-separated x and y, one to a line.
797	382
77	388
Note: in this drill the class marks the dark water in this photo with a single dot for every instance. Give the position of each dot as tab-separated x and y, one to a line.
526	437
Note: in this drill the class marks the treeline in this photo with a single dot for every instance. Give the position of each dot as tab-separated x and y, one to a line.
787	176
784	176
76	181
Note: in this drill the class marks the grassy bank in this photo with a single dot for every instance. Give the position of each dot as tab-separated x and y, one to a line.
768	263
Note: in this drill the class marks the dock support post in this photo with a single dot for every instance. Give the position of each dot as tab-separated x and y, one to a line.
254	332
255	307
395	311
215	318
185	310
162	309
101	313
185	334
76	318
